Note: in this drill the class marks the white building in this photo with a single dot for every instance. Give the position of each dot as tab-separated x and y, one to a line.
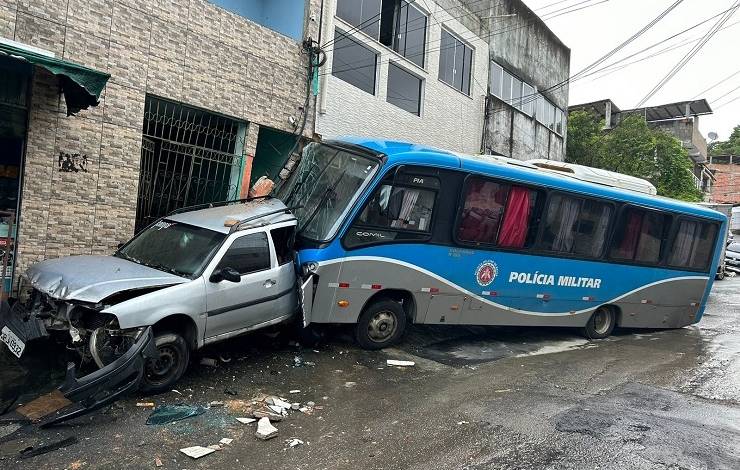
403	70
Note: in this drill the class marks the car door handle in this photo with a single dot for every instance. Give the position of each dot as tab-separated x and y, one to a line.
269	283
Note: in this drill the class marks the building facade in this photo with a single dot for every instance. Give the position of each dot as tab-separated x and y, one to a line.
726	171
200	100
526	110
414	71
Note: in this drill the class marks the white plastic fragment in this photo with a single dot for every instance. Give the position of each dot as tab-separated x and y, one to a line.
214	404
281	403
246	420
396	362
294	442
295	406
265	430
196	452
276	409
225	441
294	391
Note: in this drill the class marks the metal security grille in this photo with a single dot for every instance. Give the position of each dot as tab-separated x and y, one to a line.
188	156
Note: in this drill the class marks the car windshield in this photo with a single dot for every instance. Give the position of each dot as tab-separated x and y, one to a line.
326	185
173	247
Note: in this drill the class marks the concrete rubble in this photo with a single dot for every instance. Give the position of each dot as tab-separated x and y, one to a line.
265	430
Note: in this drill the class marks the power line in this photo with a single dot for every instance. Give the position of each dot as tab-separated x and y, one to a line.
684	60
718	83
729	92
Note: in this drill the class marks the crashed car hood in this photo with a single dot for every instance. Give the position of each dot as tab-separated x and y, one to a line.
93	278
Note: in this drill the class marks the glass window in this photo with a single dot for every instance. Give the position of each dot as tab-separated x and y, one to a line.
248	254
692	245
577	226
404	89
399	208
516	92
540	112
364	14
558	120
283	238
498	214
354	63
640	235
173	247
506	87
496	79
411	35
456	61
528	99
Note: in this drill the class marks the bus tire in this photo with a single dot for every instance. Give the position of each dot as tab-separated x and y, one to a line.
380	325
601	324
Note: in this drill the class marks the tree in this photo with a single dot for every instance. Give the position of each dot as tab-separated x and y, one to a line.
633	148
730	146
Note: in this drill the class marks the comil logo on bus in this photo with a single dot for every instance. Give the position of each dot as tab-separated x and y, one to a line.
486	273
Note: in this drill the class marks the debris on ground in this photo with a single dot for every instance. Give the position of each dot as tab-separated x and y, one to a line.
208	361
197	452
34	451
350	384
145	404
398	363
176	391
215	404
157	462
44	405
246	420
228	391
294	442
225	441
224	357
294	391
299	362
170	413
459	423
265	430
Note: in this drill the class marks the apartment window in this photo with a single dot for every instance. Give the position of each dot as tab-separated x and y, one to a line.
506	87
528	99
640	235
354	63
497	79
408	32
575	225
455	62
498	214
364	14
516	93
692	245
404	89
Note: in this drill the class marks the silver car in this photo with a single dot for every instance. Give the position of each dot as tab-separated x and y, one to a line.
187	280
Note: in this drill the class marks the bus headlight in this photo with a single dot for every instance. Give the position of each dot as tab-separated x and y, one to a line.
310	268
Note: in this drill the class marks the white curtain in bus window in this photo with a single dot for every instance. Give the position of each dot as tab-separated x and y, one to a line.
481	215
400	208
692	245
574	225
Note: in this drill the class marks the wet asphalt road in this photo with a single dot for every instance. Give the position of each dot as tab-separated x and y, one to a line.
478	398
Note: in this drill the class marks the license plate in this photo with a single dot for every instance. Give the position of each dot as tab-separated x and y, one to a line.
13	342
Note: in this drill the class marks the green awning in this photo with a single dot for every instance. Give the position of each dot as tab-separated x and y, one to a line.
81	85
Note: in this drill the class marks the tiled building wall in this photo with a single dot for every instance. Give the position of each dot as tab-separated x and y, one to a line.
727	187
185	50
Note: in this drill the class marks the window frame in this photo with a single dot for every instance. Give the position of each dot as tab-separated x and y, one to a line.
270	251
494	246
376	54
458	41
396	46
392	173
421	88
672	240
272	228
609	229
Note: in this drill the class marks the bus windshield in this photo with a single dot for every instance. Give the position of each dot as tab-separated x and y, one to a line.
326	185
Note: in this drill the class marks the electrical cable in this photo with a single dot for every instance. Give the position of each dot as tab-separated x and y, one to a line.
718	83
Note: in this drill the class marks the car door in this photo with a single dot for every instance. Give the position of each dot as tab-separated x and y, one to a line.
233	306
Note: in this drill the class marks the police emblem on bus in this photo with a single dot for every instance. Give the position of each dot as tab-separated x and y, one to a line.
486	273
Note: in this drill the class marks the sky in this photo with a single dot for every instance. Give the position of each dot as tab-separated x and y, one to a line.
594	31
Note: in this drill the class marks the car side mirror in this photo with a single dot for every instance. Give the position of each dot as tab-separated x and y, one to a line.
225	274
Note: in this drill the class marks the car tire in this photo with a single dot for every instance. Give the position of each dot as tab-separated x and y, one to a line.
720	276
380	325
162	373
601	324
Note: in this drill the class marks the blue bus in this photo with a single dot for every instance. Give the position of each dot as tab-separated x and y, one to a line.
392	233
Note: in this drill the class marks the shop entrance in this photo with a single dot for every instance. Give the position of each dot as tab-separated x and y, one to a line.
13	121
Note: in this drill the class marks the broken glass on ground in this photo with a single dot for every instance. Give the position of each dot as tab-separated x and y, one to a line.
170	413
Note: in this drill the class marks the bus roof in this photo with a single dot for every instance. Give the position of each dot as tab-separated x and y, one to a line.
399	152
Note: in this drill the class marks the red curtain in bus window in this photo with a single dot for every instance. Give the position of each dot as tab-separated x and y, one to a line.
631	235
515	226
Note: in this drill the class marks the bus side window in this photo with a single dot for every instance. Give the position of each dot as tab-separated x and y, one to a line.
692	245
575	225
640	236
498	214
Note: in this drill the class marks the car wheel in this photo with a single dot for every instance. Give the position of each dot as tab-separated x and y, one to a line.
162	373
601	324
380	325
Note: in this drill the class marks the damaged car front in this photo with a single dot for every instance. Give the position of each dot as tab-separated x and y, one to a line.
63	300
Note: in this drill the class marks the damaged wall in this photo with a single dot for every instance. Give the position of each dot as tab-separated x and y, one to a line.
189	51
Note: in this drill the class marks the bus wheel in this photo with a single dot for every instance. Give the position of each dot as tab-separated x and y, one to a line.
601	324
381	324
